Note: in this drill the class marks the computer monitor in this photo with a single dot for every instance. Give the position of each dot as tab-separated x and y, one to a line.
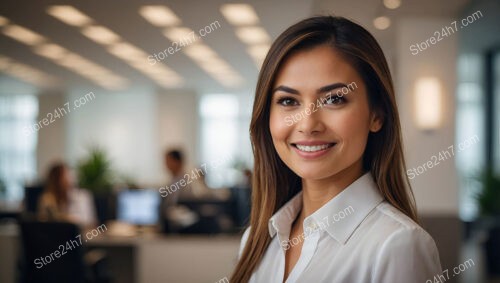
139	207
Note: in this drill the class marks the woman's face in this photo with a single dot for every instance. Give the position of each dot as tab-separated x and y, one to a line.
320	117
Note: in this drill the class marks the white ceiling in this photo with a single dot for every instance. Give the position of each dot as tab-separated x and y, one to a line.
123	18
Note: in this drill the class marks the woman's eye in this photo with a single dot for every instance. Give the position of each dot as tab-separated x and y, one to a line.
334	100
287	101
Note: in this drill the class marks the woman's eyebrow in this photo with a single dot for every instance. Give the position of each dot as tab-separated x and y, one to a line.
285	89
322	89
331	87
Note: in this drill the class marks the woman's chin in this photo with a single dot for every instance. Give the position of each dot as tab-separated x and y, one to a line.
314	173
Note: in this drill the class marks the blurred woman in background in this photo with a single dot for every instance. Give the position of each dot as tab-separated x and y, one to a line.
60	201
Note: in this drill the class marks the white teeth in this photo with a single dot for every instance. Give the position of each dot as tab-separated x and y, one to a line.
312	148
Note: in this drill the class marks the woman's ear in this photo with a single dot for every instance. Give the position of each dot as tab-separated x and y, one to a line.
376	121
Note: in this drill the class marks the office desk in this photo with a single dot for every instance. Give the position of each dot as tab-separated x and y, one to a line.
176	259
146	258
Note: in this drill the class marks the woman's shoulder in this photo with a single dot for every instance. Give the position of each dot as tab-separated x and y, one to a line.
403	246
387	213
393	224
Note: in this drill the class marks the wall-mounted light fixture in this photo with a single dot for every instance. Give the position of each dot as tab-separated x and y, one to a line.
428	99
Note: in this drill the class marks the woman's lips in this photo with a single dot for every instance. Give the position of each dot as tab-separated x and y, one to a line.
312	149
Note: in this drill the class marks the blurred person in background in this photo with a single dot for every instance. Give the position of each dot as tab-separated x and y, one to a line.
61	201
174	217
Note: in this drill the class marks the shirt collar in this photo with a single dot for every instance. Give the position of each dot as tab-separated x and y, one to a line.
339	217
282	220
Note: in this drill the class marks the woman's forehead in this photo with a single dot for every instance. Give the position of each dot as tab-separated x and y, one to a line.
315	67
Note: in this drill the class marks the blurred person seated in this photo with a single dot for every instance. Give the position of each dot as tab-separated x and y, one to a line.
175	217
61	201
179	187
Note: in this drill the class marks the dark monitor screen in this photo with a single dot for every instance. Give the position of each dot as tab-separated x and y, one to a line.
139	207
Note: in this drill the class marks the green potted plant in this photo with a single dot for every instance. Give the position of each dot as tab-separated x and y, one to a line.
95	174
489	205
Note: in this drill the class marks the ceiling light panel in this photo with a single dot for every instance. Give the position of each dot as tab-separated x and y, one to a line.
60	56
23	35
252	35
69	15
215	66
125	51
239	14
248	30
159	15
392	4
382	22
258	53
51	51
26	73
179	34
100	34
3	21
200	53
137	58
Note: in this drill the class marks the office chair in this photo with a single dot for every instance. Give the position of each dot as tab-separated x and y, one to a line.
52	253
31	196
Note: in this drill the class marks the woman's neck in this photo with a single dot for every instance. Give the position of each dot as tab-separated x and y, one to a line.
316	193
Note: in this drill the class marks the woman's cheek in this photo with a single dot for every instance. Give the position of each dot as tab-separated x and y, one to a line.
278	125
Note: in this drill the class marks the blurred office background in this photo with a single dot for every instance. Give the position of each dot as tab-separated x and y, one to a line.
109	87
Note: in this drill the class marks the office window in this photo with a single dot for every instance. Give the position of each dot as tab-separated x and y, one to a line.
17	147
224	141
496	114
469	127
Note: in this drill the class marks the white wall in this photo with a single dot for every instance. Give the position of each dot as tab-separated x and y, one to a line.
133	126
436	190
122	123
51	139
178	124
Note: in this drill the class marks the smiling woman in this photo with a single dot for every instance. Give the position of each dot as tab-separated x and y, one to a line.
347	153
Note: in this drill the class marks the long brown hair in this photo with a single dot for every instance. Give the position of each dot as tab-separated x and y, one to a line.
273	182
56	186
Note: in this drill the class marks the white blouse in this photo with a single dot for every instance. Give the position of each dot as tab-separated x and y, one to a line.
356	237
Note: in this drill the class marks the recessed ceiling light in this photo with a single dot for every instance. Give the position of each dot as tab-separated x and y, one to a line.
392	4
90	70
100	34
200	52
69	15
137	58
180	34
159	15
259	51
3	21
382	22
229	80
72	61
170	82
252	35
216	66
23	35
26	73
4	62
239	14
124	50
194	48
51	51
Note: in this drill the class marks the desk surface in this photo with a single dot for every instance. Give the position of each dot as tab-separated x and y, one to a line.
108	240
150	258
